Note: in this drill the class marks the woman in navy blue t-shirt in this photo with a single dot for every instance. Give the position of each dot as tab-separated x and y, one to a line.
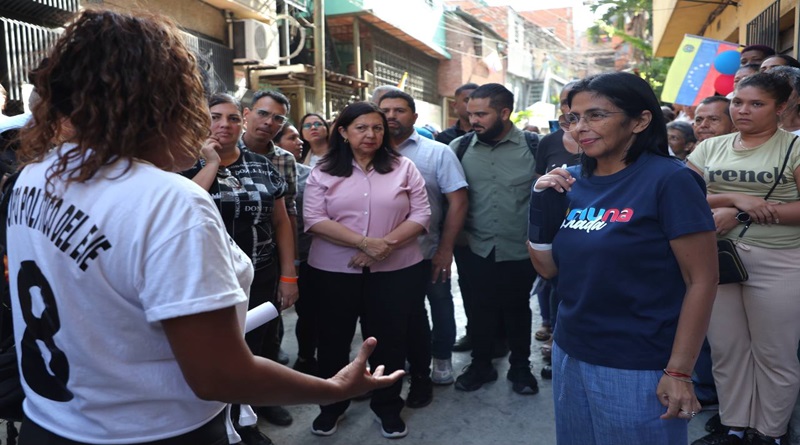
633	244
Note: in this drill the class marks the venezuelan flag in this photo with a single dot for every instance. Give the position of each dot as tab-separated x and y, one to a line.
692	74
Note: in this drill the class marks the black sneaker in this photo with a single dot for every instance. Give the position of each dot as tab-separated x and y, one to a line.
474	377
325	424
252	436
714	425
276	415
393	427
719	439
757	438
522	381
420	392
463	344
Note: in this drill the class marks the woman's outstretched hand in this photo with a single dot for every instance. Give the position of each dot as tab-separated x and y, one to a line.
355	379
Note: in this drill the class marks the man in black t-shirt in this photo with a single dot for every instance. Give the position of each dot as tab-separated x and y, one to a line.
551	152
460	108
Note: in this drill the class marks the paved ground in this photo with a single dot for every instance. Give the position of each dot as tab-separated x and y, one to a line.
492	415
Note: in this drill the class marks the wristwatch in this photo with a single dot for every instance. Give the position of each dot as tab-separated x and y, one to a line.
743	217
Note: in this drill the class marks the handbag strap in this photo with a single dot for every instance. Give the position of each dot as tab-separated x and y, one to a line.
777	181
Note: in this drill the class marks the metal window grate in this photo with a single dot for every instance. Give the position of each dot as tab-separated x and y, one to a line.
765	28
41	12
217	61
23	46
393	58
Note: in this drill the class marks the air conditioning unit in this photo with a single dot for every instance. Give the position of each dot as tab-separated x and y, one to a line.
255	43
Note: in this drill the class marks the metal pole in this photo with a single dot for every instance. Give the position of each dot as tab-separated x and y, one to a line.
286	46
357	51
319	56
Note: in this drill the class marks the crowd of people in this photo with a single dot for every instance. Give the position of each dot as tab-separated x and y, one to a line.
359	221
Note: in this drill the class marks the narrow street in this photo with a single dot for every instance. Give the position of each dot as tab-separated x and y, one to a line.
491	415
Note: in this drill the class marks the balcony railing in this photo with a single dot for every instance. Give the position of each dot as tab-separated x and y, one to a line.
41	12
22	47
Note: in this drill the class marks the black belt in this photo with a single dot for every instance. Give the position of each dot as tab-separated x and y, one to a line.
211	433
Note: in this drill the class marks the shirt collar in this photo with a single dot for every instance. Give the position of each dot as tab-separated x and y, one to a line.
270	146
411	141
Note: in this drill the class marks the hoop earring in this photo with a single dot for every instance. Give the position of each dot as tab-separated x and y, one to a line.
346	141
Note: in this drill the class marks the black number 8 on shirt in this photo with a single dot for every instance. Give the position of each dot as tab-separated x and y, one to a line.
47	376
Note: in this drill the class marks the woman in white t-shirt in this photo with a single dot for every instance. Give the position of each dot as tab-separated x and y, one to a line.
124	284
754	331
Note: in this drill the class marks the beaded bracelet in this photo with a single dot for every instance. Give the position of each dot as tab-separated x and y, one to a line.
291	280
686	378
363	244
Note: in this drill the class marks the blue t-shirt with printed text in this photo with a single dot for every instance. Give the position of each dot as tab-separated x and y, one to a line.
620	284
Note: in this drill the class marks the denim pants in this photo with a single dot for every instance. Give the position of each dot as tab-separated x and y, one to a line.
443	333
424	342
596	405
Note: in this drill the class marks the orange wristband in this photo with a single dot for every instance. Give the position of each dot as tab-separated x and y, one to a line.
284	279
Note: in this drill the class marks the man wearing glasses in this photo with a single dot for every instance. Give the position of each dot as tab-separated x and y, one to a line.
262	121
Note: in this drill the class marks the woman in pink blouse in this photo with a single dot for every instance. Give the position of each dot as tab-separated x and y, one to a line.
365	205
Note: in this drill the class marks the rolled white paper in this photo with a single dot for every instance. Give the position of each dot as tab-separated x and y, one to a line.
259	315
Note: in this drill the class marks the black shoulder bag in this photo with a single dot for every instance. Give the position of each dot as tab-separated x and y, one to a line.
731	269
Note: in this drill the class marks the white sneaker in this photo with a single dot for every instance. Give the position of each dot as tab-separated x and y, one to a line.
442	371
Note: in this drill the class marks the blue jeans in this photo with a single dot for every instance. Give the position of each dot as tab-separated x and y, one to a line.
443	334
595	405
424	342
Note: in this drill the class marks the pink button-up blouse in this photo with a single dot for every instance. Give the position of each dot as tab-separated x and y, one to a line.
371	204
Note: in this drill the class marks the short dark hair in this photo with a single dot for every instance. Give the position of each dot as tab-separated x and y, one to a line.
790	61
400	95
499	96
712	99
224	98
750	66
766	50
685	128
277	96
775	85
279	134
633	95
466	87
669	115
339	160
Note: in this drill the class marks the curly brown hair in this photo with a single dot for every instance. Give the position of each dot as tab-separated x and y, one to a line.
120	86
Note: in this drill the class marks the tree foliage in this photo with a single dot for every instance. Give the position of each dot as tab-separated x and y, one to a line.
631	21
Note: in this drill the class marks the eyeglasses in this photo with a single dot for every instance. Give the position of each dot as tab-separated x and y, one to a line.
311	125
591	117
277	118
